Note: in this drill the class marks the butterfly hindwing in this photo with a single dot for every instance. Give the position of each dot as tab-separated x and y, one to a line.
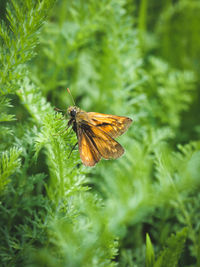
95	143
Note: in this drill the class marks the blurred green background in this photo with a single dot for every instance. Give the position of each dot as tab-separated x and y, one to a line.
139	59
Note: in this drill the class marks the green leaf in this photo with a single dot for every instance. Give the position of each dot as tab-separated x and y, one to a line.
150	258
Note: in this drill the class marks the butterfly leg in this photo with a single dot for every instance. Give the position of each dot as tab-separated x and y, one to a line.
60	110
60	133
72	149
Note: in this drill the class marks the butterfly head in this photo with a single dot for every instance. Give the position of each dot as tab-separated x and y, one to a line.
72	111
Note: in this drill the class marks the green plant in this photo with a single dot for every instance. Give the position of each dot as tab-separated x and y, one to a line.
56	212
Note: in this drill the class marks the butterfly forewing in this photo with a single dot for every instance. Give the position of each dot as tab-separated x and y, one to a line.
88	152
111	124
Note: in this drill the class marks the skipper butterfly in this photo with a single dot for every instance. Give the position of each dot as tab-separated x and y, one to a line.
96	132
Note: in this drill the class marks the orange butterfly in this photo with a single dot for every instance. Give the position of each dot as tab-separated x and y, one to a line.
96	133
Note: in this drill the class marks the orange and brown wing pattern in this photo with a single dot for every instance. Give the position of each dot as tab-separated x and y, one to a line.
88	152
106	145
111	124
95	143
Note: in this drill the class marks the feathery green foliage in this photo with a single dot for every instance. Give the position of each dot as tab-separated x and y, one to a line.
171	254
9	163
137	59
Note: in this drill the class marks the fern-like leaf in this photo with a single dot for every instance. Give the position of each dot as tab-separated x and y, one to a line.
10	161
171	254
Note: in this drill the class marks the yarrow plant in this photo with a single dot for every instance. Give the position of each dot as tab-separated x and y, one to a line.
142	209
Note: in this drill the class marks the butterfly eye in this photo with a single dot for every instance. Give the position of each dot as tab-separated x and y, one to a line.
73	113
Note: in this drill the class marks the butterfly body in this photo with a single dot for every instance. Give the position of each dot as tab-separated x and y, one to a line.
96	133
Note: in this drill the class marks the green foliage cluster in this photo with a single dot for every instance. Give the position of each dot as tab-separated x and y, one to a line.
134	58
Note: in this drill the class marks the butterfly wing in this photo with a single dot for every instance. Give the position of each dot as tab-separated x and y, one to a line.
88	152
111	124
94	143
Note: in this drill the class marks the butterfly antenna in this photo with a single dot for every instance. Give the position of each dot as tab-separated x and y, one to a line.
58	109
71	96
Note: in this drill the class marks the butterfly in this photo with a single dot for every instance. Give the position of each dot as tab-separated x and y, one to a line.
95	133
